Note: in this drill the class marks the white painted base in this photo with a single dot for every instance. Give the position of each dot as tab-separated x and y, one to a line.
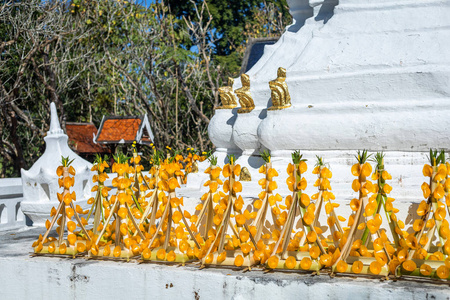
39	211
23	277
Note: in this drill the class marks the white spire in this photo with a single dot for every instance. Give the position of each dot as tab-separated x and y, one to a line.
55	127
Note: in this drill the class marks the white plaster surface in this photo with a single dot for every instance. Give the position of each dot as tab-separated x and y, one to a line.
40	182
362	74
11	215
24	277
220	128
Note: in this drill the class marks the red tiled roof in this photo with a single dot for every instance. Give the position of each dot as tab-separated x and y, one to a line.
114	130
81	138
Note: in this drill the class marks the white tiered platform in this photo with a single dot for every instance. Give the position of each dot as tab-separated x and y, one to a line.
362	74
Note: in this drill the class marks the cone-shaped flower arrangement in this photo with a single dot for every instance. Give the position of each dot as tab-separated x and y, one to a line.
76	242
206	214
354	255
315	250
417	255
268	201
235	250
100	204
116	239
222	233
167	243
140	184
155	195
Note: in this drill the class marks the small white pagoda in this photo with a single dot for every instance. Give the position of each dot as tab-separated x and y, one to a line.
40	182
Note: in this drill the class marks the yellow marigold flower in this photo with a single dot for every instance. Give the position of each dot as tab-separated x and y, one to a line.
302	184
356	169
308	218
304	200
107	251
72	171
262	195
272	173
237	187
290	262
303	167
386	175
262	169
357	267
238	260
326	173
173	183
272	262
215	173
426	190
366	169
237	170
341	266
314	252
356	185
326	260
409	265
442	272
262	182
440	213
257	204
272	186
427	170
290	181
316	170
221	257
439	191
226	171
289	170
425	270
240	219
305	263
311	237
59	171
375	267
375	176
422	209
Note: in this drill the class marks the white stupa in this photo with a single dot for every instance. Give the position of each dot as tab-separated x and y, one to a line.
40	182
361	74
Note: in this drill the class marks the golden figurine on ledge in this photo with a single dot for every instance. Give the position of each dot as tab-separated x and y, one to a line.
245	98
227	96
279	91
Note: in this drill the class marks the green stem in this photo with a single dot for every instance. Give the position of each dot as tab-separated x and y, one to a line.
137	203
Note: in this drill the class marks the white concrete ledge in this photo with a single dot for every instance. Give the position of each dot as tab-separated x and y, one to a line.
11	195
25	277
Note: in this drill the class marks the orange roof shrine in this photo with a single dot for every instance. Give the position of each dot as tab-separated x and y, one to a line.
121	130
81	138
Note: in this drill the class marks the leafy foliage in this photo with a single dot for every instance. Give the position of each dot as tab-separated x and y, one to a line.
97	57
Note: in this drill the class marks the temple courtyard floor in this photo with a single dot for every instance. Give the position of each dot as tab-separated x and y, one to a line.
23	276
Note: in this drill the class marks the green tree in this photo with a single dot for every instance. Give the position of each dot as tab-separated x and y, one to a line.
97	57
230	20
